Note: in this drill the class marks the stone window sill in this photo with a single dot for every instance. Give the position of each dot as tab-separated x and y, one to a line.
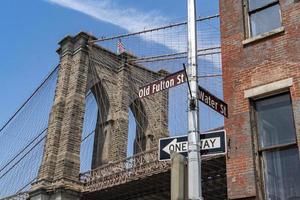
263	36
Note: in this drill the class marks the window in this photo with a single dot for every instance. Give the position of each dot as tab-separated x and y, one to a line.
262	16
277	148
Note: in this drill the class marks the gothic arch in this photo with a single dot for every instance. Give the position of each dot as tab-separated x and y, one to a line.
115	86
102	137
141	119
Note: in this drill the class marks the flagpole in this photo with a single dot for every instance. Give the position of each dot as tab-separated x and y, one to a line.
194	157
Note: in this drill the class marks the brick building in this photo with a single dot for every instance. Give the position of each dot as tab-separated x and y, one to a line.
261	72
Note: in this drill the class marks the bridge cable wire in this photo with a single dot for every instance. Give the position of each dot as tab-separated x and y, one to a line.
22	157
102	39
20	139
30	97
28	145
19	153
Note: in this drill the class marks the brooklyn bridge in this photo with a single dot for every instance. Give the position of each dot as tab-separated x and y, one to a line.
70	138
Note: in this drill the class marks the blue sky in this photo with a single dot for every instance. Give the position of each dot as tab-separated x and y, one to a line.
32	28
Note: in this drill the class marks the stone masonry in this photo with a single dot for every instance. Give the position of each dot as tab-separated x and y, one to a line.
114	83
115	96
246	65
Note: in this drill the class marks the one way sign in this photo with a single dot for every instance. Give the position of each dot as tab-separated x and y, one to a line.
210	142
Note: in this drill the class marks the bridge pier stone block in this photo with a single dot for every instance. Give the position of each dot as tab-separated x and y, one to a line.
60	194
58	174
39	195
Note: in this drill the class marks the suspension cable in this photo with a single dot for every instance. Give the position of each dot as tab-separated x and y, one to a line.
30	97
102	39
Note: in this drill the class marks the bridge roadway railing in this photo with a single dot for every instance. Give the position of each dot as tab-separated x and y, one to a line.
19	196
132	168
120	172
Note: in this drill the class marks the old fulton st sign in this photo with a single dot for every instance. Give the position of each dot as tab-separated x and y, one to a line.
170	81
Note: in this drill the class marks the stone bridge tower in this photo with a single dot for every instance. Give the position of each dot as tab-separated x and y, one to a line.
114	82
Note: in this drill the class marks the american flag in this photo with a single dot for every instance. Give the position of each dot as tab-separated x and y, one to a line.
121	47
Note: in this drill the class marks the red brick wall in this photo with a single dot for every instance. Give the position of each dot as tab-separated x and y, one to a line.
247	66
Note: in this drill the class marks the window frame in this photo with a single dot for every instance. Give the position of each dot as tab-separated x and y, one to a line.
248	13
258	151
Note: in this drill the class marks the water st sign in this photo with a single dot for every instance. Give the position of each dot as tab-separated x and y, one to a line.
212	101
169	81
211	143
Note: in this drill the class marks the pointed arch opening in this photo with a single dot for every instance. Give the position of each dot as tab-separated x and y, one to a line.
95	137
131	133
137	126
102	129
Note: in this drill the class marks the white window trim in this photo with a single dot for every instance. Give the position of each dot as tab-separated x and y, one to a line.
268	88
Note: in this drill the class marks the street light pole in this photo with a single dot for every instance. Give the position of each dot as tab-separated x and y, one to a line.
194	157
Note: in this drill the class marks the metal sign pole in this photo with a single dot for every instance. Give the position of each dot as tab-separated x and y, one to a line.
194	158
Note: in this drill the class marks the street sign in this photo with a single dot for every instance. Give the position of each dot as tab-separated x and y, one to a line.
211	143
212	101
169	81
178	78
